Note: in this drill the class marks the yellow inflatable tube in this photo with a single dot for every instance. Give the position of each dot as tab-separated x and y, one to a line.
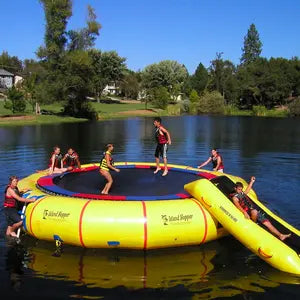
126	224
258	240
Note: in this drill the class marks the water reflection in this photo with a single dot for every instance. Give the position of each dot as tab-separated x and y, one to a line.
205	271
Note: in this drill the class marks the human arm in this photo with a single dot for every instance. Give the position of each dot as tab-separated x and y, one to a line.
64	158
249	187
205	163
78	162
109	165
164	130
52	164
237	204
13	194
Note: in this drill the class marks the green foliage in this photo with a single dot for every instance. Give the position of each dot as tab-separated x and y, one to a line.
174	109
232	110
160	97
11	64
85	38
78	84
193	109
57	13
194	97
267	82
107	67
211	102
294	108
200	79
8	105
222	78
259	110
130	85
168	73
17	103
252	46
185	106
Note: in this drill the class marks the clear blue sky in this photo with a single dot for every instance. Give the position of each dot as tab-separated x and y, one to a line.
148	31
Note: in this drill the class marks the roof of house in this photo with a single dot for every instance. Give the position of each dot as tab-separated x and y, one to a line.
5	73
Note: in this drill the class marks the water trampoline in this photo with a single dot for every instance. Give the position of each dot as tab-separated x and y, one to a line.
146	211
143	211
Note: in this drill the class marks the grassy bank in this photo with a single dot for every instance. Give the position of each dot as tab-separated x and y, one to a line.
124	109
257	111
104	110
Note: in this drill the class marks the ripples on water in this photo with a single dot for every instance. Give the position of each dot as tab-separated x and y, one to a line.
266	148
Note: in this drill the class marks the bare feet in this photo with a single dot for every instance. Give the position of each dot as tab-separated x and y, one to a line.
284	236
165	173
157	170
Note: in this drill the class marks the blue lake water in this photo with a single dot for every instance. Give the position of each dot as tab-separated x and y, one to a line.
267	148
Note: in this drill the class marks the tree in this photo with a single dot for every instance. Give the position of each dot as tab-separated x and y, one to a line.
17	102
69	69
168	73
77	84
252	46
107	67
211	102
130	85
194	97
215	73
199	79
57	13
34	73
11	64
222	78
85	38
160	97
268	82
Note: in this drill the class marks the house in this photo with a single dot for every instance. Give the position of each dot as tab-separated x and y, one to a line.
6	79
18	80
111	89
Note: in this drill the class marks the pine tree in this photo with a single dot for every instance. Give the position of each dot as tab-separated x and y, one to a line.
252	46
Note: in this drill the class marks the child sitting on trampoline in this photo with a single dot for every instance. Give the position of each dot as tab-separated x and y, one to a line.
244	204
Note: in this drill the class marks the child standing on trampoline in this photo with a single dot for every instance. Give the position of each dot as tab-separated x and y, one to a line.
106	164
163	139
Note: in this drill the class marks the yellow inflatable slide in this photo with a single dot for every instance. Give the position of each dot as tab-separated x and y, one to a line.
214	195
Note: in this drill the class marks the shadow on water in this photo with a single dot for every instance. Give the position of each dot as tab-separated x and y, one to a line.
211	271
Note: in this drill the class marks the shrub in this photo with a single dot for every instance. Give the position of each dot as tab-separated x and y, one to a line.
294	108
161	97
259	110
174	110
79	108
194	97
211	102
185	106
16	97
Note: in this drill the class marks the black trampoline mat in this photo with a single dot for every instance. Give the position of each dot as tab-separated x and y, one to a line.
128	182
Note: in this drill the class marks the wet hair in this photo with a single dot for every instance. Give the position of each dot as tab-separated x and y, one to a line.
11	178
108	145
157	119
238	184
